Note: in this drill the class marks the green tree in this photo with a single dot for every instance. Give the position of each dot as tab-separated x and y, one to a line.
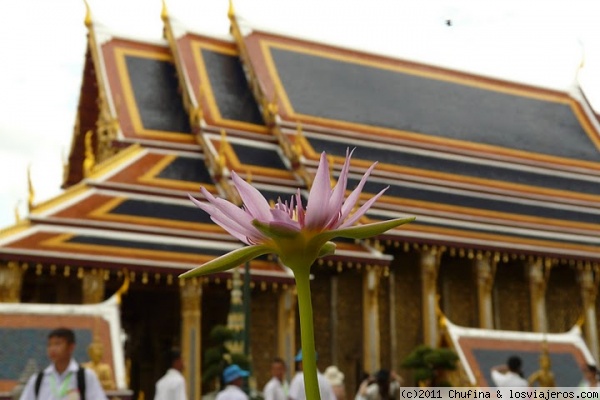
429	365
217	357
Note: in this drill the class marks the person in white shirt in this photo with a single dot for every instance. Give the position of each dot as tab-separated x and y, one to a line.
62	380
172	385
297	391
277	388
233	378
509	375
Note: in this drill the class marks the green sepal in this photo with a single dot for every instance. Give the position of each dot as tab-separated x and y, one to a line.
328	249
228	261
274	231
363	231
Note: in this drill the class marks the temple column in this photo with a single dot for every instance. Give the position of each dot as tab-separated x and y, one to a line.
588	279
430	263
371	333
191	298
93	286
286	326
11	281
486	269
395	363
538	278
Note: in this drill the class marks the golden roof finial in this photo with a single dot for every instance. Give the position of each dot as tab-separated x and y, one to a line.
297	146
89	162
231	10
88	15
164	13
17	215
222	159
124	287
273	105
31	191
580	321
196	114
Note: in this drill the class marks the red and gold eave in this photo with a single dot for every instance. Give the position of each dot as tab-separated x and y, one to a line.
80	227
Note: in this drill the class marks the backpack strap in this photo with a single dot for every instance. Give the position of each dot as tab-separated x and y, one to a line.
38	383
81	382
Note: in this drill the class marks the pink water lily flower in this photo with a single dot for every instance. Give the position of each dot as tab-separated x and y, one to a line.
296	234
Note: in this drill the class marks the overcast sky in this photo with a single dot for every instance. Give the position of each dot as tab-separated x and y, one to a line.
42	44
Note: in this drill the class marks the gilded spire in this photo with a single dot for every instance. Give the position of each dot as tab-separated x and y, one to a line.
124	287
273	105
31	191
196	115
297	146
89	162
231	10
222	159
17	215
88	15
164	13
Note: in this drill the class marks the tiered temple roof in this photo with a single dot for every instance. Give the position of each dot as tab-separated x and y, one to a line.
155	122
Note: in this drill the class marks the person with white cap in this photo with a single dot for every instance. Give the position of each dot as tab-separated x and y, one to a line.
297	391
233	378
336	378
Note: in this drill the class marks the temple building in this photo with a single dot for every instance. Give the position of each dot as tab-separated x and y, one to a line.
503	178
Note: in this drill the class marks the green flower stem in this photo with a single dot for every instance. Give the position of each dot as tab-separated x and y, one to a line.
309	359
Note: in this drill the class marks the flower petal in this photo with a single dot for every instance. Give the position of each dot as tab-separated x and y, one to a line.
254	201
229	216
362	210
300	213
316	210
353	198
228	261
339	191
282	218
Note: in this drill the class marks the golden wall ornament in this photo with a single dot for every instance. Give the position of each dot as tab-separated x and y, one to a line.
89	160
93	287
11	280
